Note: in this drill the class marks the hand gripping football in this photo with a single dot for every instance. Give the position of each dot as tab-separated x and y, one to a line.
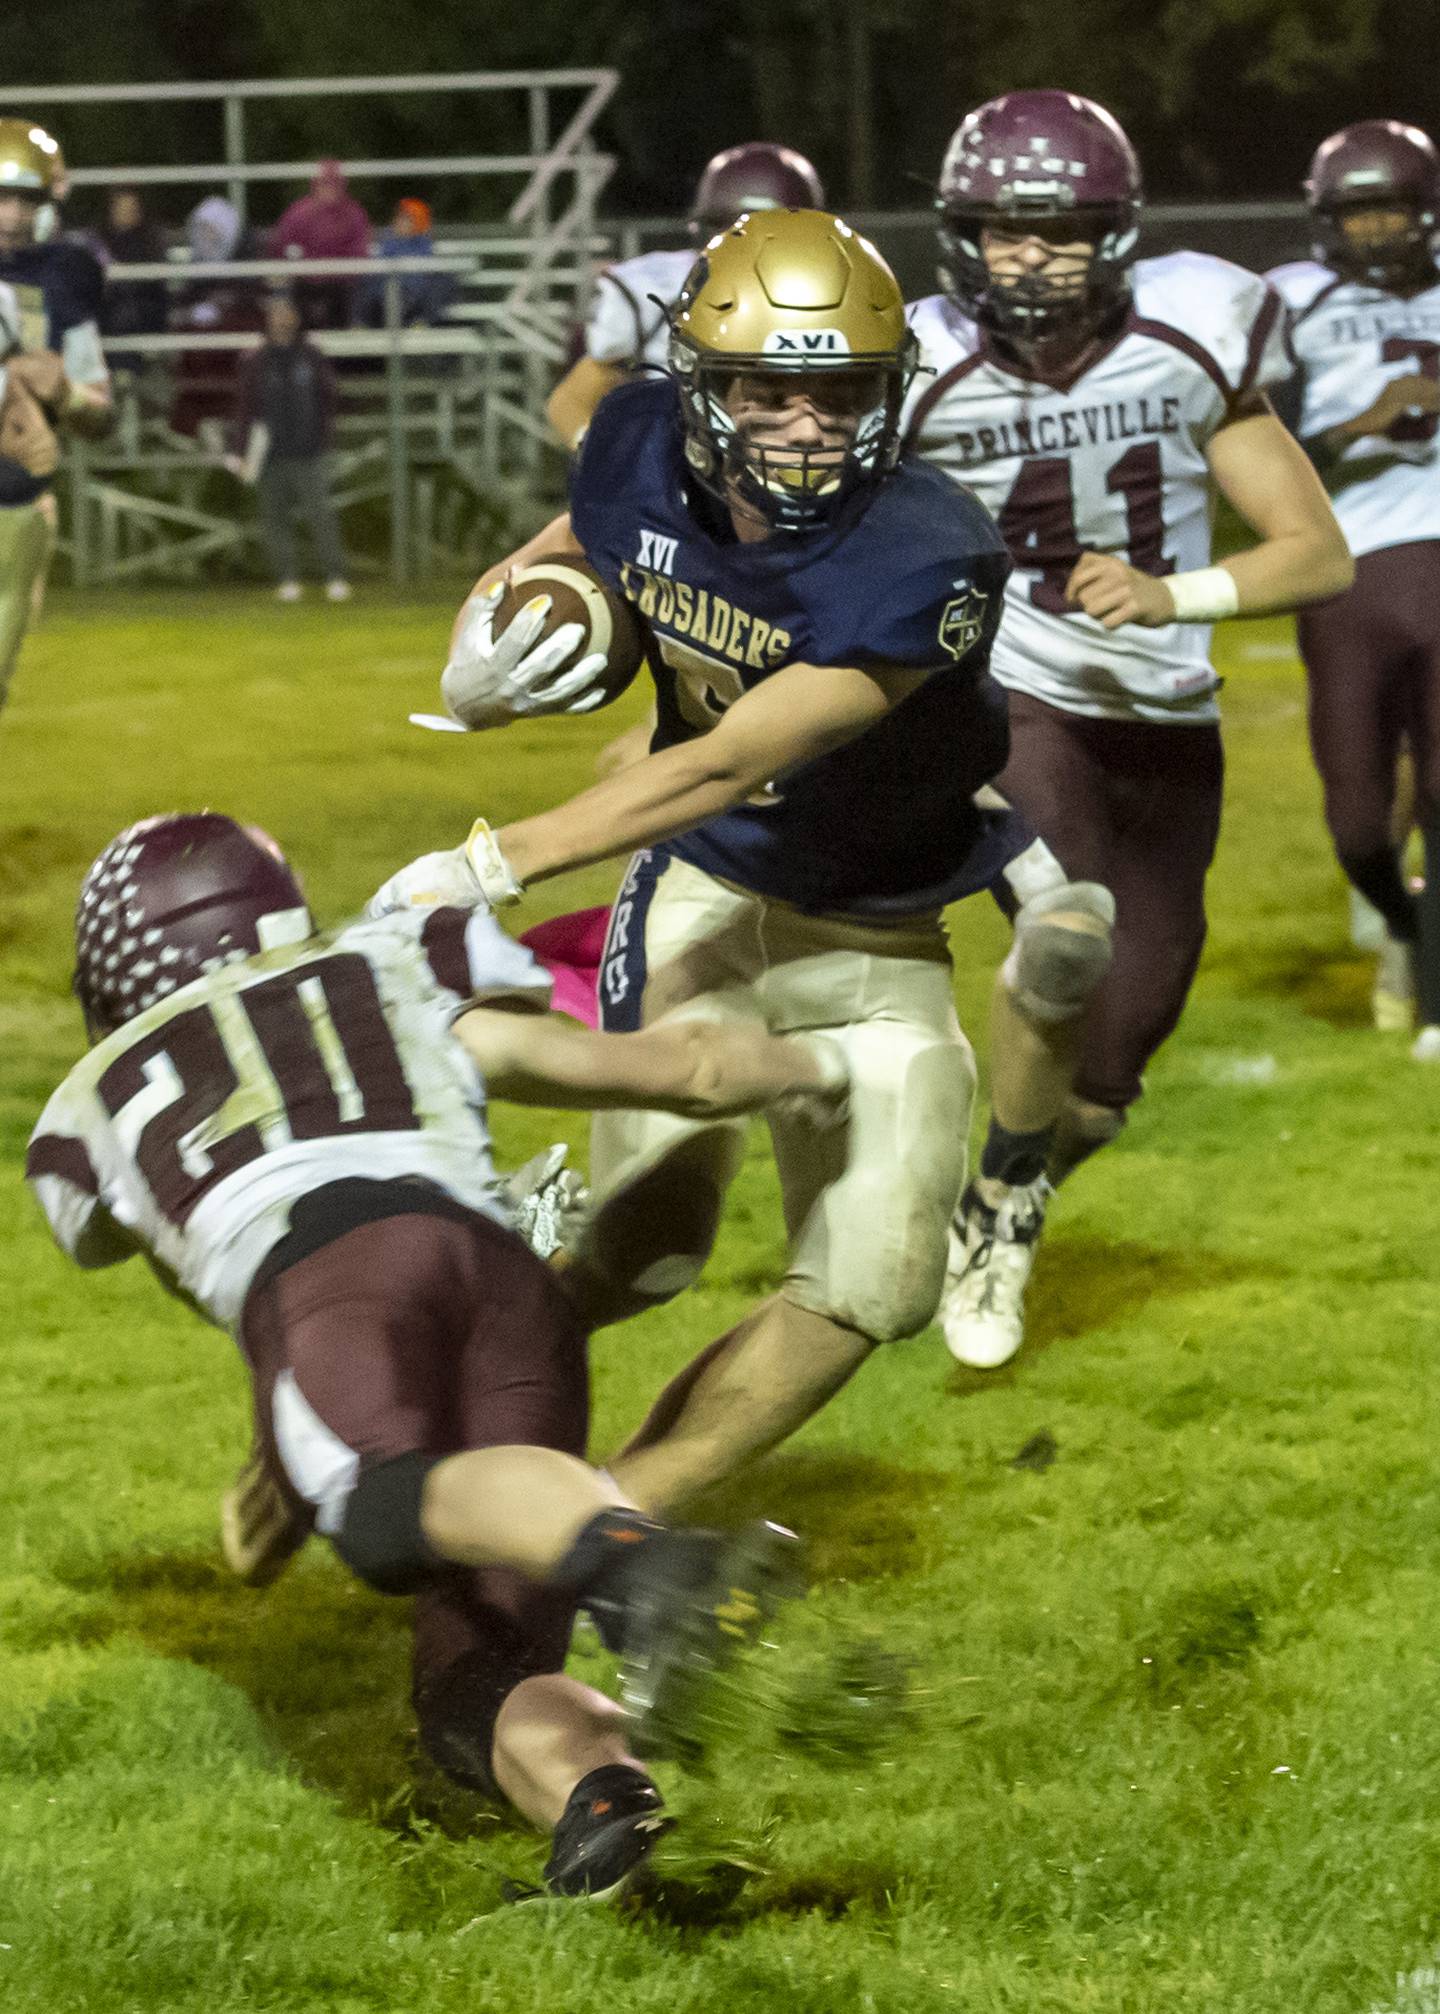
551	638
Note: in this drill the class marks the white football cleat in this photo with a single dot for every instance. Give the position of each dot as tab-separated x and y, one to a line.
992	1252
338	589
289	590
549	1201
1426	1046
1392	997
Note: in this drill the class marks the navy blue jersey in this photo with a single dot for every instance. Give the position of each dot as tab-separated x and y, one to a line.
911	575
57	288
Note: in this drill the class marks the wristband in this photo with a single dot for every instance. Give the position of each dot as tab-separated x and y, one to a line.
490	867
1208	594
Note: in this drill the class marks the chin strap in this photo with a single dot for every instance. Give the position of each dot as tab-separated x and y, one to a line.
490	867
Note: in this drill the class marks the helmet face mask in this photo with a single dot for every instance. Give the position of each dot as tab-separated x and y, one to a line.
1381	256
792	356
1389	174
1050	166
171	899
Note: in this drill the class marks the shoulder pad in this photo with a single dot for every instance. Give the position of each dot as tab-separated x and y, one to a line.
1227	318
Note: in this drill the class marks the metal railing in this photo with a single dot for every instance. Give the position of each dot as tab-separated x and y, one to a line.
452	415
462	406
550	154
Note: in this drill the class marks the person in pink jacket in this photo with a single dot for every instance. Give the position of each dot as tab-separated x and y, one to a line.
327	224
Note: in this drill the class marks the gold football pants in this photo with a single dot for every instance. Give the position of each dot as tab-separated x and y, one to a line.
26	535
867	1204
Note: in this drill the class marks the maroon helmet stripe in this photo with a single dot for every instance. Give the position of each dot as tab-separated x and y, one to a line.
1187	345
443	942
1259	337
932	394
60	1154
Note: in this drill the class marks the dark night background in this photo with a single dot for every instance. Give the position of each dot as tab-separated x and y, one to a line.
1224	98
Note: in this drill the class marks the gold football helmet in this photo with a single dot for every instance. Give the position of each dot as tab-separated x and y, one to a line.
781	300
30	159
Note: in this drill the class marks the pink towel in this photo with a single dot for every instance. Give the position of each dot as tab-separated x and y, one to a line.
570	948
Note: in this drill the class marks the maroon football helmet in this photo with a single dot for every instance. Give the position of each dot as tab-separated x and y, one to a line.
1377	164
1051	158
172	898
757	176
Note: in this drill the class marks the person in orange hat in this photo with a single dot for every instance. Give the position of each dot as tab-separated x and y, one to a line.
424	297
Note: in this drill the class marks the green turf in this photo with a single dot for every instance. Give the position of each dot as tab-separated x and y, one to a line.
1177	1741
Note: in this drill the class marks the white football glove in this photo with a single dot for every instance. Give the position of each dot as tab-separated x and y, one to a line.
490	678
473	876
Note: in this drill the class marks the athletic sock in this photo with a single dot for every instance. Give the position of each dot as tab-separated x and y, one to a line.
1074	1144
1015	1158
1378	877
1427	972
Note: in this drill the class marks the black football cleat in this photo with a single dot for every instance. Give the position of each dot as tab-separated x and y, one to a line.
692	1600
606	1834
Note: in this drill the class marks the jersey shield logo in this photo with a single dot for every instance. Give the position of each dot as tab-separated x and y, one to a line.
962	622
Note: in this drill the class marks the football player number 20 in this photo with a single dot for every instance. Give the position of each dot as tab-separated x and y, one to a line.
307	1055
1413	426
1038	525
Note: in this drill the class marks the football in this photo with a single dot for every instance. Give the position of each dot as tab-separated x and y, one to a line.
578	594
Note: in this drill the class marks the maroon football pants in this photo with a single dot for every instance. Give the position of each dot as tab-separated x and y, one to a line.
1135	807
1372	658
426	1334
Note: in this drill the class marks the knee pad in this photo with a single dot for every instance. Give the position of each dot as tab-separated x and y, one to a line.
380	1537
1061	950
457	1710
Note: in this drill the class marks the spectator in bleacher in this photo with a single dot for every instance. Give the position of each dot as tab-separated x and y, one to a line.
284	427
424	297
204	380
327	224
130	238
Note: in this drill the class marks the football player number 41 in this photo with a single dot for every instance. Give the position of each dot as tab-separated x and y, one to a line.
307	1055
1038	525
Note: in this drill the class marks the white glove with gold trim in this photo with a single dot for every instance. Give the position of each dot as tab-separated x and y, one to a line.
518	672
473	876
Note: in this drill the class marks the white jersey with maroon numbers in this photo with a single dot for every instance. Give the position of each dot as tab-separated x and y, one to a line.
627	324
1349	341
1112	460
190	1132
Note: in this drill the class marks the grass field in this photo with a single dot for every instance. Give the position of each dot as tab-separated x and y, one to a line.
1179	1739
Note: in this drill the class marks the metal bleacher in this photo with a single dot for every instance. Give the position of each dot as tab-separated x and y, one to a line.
439	425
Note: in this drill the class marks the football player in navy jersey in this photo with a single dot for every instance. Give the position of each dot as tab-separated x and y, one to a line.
818	617
52	370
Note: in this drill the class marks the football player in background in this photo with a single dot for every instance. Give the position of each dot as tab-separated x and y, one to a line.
52	370
1365	329
291	1128
628	330
818	619
1096	405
